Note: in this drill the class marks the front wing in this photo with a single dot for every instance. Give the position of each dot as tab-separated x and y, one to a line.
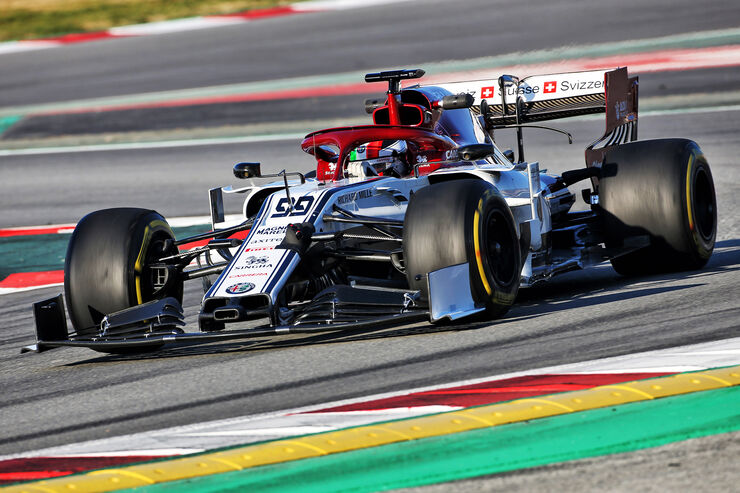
157	323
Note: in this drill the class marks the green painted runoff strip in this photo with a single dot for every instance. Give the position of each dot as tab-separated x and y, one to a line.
8	121
38	253
486	451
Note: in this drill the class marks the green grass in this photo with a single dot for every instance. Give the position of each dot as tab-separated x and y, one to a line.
32	19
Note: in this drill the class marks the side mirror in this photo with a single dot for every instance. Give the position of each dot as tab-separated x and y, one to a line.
456	101
373	104
508	79
473	152
509	154
247	170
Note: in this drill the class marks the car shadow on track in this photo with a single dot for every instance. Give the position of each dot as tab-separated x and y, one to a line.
594	287
278	342
726	256
535	308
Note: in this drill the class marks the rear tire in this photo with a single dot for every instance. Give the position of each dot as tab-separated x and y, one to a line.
105	269
464	221
662	188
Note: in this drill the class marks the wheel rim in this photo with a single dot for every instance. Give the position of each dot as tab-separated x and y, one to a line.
703	204
156	249
501	249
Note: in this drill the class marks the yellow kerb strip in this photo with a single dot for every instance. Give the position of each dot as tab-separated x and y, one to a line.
385	433
688	192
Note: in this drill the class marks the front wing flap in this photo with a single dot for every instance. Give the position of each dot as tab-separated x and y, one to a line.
52	331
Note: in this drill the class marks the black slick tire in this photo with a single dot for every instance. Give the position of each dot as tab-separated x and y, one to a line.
464	221
661	188
105	269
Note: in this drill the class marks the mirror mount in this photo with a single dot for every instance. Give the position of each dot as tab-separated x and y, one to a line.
252	170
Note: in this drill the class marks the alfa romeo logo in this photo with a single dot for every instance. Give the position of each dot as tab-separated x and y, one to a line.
240	288
254	260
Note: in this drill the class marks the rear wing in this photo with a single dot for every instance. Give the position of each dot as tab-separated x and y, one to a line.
509	100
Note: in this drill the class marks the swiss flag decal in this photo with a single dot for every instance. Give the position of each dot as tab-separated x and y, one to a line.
550	86
487	92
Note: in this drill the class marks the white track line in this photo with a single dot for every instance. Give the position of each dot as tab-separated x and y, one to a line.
252	139
175	222
125	146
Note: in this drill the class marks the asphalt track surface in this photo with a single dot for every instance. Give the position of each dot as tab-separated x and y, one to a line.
71	395
403	34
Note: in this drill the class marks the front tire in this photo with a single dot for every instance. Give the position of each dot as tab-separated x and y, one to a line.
105	269
662	188
464	221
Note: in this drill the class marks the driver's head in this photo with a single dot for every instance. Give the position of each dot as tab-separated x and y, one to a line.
387	157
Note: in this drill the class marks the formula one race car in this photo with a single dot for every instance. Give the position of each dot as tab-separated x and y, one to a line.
416	217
